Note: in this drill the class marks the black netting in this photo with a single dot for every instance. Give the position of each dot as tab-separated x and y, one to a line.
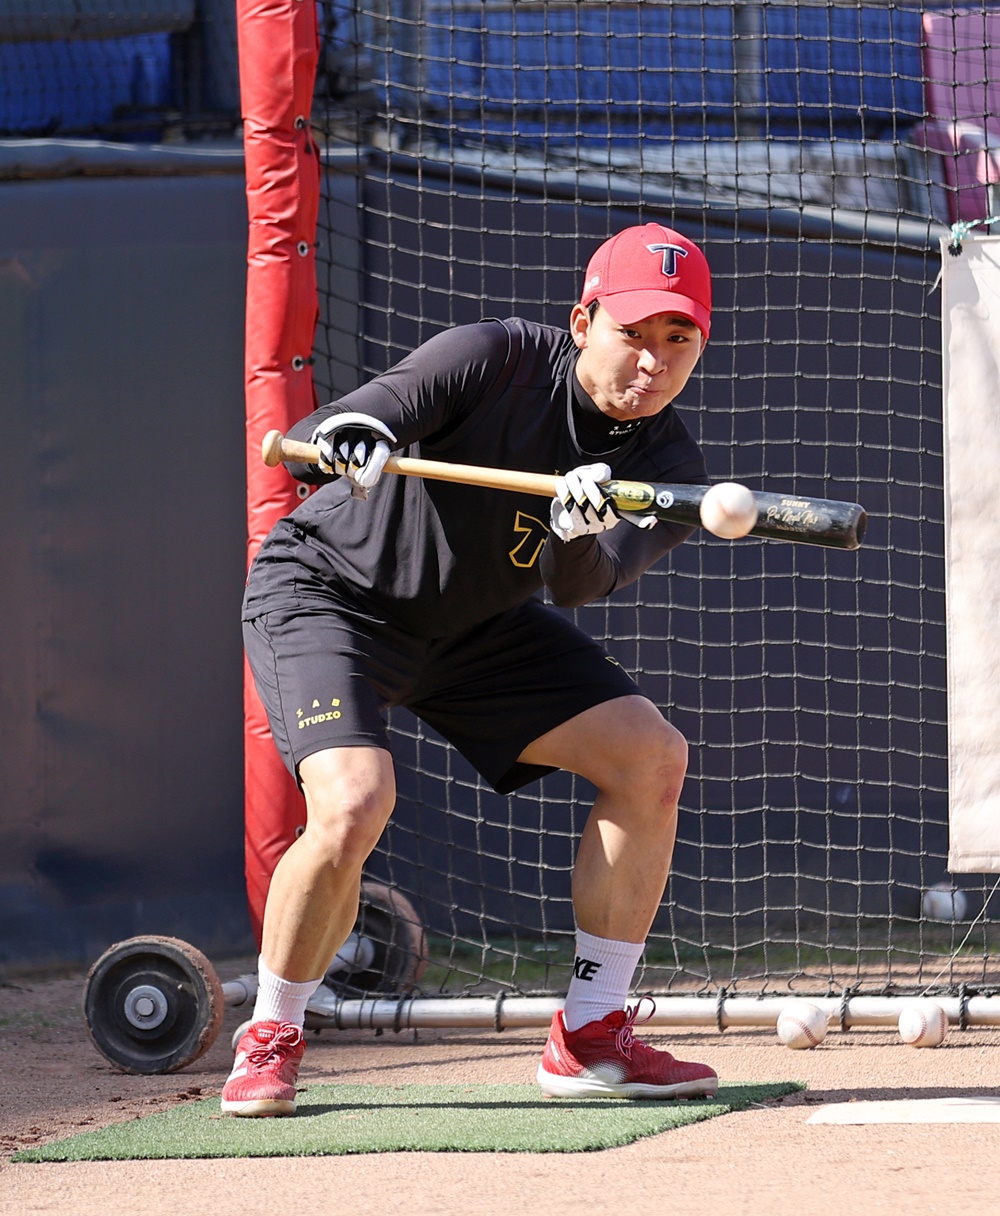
476	153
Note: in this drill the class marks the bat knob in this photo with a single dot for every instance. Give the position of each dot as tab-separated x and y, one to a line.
270	448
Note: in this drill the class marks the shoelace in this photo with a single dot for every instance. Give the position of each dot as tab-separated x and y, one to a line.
285	1039
625	1035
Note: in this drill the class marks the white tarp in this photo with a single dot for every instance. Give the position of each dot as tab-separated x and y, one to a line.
971	352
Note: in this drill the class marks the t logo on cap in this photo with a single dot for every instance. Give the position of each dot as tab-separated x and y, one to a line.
670	255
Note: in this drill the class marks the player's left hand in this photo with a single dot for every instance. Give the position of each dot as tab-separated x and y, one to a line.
581	507
355	446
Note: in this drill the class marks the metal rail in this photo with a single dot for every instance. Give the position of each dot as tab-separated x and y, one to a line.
329	1011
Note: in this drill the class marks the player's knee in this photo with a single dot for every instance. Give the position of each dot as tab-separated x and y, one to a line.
653	769
344	833
348	803
663	764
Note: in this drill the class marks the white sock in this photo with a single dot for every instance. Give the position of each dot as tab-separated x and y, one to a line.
280	1000
602	977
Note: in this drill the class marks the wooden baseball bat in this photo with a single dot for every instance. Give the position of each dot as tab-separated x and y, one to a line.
808	521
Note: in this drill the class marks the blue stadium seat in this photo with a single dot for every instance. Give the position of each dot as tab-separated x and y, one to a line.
578	70
53	88
842	72
826	73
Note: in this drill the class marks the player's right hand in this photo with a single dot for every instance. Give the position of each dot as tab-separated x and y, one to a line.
355	446
581	507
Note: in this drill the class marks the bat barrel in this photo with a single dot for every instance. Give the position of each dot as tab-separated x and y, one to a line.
810	521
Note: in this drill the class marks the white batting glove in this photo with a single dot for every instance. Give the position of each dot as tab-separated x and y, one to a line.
355	446
581	507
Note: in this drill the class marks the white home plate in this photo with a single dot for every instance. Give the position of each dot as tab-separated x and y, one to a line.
912	1110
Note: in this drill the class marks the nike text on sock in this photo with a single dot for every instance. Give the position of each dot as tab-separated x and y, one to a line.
602	976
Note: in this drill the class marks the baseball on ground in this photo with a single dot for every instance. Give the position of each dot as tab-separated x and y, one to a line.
728	510
944	902
923	1024
801	1026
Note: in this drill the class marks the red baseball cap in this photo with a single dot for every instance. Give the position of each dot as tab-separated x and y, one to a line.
650	269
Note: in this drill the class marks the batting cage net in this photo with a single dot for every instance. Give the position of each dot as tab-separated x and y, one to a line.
475	155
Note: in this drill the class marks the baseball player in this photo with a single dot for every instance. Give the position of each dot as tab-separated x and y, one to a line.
377	592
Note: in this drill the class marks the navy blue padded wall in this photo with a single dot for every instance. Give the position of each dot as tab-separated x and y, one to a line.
121	726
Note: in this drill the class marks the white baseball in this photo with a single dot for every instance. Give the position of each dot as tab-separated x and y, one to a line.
923	1024
801	1026
728	510
944	902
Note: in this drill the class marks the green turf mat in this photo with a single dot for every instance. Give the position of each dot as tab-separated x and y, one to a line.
334	1119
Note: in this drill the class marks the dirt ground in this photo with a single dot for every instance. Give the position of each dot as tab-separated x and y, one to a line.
763	1160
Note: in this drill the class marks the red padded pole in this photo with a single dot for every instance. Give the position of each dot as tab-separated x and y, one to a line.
278	51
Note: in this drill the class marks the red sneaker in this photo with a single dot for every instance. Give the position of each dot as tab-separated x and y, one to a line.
605	1059
262	1082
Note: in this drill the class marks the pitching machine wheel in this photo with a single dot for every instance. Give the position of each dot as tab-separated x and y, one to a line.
153	1004
388	948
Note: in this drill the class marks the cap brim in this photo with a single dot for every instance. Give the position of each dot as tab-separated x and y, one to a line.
627	307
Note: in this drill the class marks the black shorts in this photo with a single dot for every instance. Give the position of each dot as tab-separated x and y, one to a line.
327	672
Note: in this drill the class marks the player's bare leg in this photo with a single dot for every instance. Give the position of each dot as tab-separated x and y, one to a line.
312	905
637	761
312	902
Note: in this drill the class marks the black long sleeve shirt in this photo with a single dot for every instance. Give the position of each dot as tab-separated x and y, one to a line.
435	557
